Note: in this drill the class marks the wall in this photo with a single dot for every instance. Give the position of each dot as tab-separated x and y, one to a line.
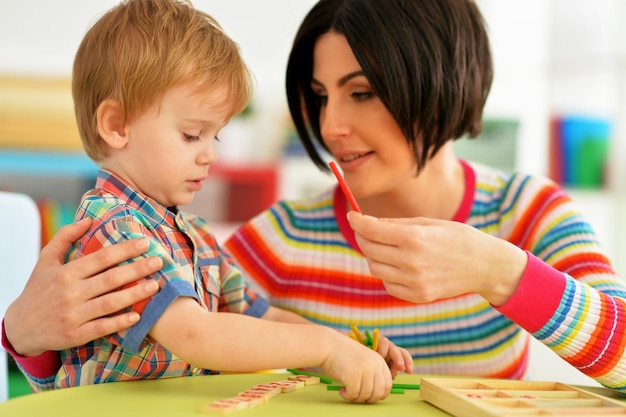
41	37
550	56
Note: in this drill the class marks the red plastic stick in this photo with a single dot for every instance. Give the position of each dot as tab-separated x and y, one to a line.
344	187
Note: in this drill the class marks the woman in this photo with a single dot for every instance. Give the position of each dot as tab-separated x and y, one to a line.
453	260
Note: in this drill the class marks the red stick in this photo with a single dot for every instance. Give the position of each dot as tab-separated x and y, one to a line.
344	187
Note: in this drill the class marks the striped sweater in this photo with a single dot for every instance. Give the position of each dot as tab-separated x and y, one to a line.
302	256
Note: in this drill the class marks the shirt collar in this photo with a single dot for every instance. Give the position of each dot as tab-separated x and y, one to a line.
115	185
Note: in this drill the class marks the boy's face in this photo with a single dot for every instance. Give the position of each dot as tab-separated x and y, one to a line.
171	146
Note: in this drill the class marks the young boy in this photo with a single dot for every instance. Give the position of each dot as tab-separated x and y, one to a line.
154	81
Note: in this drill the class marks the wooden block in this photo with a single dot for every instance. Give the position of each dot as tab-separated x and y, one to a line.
263	396
287	385
224	406
259	394
467	397
272	389
251	401
307	379
216	408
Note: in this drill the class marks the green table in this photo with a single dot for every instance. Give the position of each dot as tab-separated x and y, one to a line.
186	396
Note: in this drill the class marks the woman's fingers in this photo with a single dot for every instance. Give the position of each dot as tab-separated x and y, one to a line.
108	257
117	277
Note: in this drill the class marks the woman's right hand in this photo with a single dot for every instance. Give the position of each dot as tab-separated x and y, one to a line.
66	305
422	260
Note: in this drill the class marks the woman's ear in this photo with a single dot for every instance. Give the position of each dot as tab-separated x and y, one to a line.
111	124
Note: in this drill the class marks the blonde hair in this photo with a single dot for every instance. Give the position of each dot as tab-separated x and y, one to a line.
141	48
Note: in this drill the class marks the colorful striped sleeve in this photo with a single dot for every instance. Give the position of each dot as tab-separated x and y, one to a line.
576	298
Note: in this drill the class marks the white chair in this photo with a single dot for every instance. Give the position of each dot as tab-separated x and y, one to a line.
20	243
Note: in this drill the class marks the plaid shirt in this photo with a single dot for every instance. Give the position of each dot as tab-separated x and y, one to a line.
193	266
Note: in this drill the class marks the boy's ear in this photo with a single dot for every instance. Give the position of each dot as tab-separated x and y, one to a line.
111	124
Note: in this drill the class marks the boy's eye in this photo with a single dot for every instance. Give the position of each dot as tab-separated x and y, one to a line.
191	138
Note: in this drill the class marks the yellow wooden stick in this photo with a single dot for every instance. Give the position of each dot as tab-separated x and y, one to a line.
357	333
375	340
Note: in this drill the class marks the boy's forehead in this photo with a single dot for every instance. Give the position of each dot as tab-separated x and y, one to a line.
197	101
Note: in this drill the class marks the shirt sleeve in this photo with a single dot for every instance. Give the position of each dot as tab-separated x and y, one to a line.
43	366
236	296
569	297
222	275
169	278
540	291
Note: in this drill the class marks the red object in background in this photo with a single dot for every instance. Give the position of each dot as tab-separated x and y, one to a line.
251	189
555	165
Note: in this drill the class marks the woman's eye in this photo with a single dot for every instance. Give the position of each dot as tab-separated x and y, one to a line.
191	138
362	96
321	99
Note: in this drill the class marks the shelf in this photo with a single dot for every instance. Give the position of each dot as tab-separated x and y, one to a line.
37	113
46	163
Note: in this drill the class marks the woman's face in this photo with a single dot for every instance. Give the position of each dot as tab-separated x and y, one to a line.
356	127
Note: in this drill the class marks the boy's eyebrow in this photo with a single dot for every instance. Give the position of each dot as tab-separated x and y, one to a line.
343	80
200	121
196	120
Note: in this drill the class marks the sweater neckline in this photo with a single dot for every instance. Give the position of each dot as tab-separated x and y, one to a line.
462	214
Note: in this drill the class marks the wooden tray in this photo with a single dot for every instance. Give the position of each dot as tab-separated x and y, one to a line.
506	398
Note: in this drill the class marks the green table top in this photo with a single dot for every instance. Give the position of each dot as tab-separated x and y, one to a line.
186	397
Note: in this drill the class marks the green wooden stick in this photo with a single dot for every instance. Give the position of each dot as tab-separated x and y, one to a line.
406	386
338	387
323	379
368	338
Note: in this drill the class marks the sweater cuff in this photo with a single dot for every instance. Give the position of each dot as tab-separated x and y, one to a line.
538	296
40	366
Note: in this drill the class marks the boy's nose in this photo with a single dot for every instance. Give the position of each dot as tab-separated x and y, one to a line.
208	155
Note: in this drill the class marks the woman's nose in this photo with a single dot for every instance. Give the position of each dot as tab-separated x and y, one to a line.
334	122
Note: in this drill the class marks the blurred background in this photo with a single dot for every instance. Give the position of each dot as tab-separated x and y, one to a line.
557	107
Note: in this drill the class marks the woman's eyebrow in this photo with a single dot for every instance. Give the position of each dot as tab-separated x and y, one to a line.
343	80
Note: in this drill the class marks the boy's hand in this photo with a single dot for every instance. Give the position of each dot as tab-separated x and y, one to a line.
398	359
365	374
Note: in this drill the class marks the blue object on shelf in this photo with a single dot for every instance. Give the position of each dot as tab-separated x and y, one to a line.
584	147
47	163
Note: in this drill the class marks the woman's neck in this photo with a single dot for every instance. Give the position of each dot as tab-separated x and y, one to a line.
437	192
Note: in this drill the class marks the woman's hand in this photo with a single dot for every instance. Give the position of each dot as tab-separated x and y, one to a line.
66	305
423	260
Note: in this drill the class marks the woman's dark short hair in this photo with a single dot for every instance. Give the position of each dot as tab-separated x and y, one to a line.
428	61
